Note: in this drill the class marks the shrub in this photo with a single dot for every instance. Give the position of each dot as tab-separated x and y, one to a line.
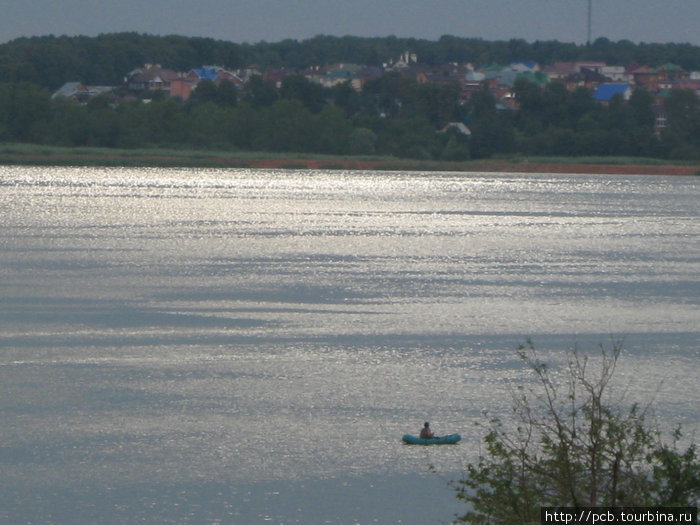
572	445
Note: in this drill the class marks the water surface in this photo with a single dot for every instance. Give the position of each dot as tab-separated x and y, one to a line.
247	346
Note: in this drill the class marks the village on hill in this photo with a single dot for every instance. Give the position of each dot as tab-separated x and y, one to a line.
603	80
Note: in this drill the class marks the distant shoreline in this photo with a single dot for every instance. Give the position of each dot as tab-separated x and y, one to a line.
490	166
32	155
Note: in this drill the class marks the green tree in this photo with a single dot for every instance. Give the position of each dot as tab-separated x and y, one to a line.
103	123
414	138
435	102
22	106
332	131
50	61
208	126
582	107
345	97
641	103
67	124
683	131
529	97
557	107
456	149
298	87
204	91
243	126
572	445
227	94
134	117
384	95
161	123
362	141
286	126
492	132
259	92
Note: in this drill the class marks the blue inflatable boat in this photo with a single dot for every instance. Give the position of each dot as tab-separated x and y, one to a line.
441	440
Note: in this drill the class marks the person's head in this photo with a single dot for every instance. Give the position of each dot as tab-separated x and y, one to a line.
426	424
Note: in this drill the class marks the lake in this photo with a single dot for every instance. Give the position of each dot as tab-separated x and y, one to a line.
249	346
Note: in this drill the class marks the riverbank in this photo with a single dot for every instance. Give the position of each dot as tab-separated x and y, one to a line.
23	154
524	166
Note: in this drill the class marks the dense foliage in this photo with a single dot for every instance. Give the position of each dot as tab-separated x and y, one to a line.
572	445
50	61
393	115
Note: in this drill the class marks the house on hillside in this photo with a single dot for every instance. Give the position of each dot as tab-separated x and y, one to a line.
523	67
605	93
671	73
471	83
366	74
616	74
184	86
356	75
559	71
666	87
216	74
644	76
448	73
587	78
404	62
339	73
150	78
79	92
276	76
590	65
493	74
509	76
245	74
72	90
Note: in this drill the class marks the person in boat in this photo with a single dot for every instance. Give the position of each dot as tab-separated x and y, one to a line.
426	432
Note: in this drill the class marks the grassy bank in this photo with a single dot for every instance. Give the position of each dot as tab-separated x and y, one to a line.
29	154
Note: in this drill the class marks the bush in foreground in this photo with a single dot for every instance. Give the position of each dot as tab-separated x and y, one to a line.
570	444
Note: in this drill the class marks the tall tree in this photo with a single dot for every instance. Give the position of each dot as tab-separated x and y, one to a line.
298	87
570	445
22	106
682	133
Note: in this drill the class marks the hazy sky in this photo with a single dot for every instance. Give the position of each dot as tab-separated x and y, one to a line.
273	20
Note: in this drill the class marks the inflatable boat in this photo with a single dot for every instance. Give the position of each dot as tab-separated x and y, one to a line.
441	440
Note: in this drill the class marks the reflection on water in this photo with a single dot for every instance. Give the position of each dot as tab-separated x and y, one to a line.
240	330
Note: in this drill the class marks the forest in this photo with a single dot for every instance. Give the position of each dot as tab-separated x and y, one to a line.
50	61
392	115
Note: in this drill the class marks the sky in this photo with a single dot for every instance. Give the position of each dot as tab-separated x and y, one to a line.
252	21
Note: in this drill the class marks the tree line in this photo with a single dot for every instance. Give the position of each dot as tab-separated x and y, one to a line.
50	61
393	115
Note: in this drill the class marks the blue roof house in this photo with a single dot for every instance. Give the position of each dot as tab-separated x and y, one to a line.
205	73
604	93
